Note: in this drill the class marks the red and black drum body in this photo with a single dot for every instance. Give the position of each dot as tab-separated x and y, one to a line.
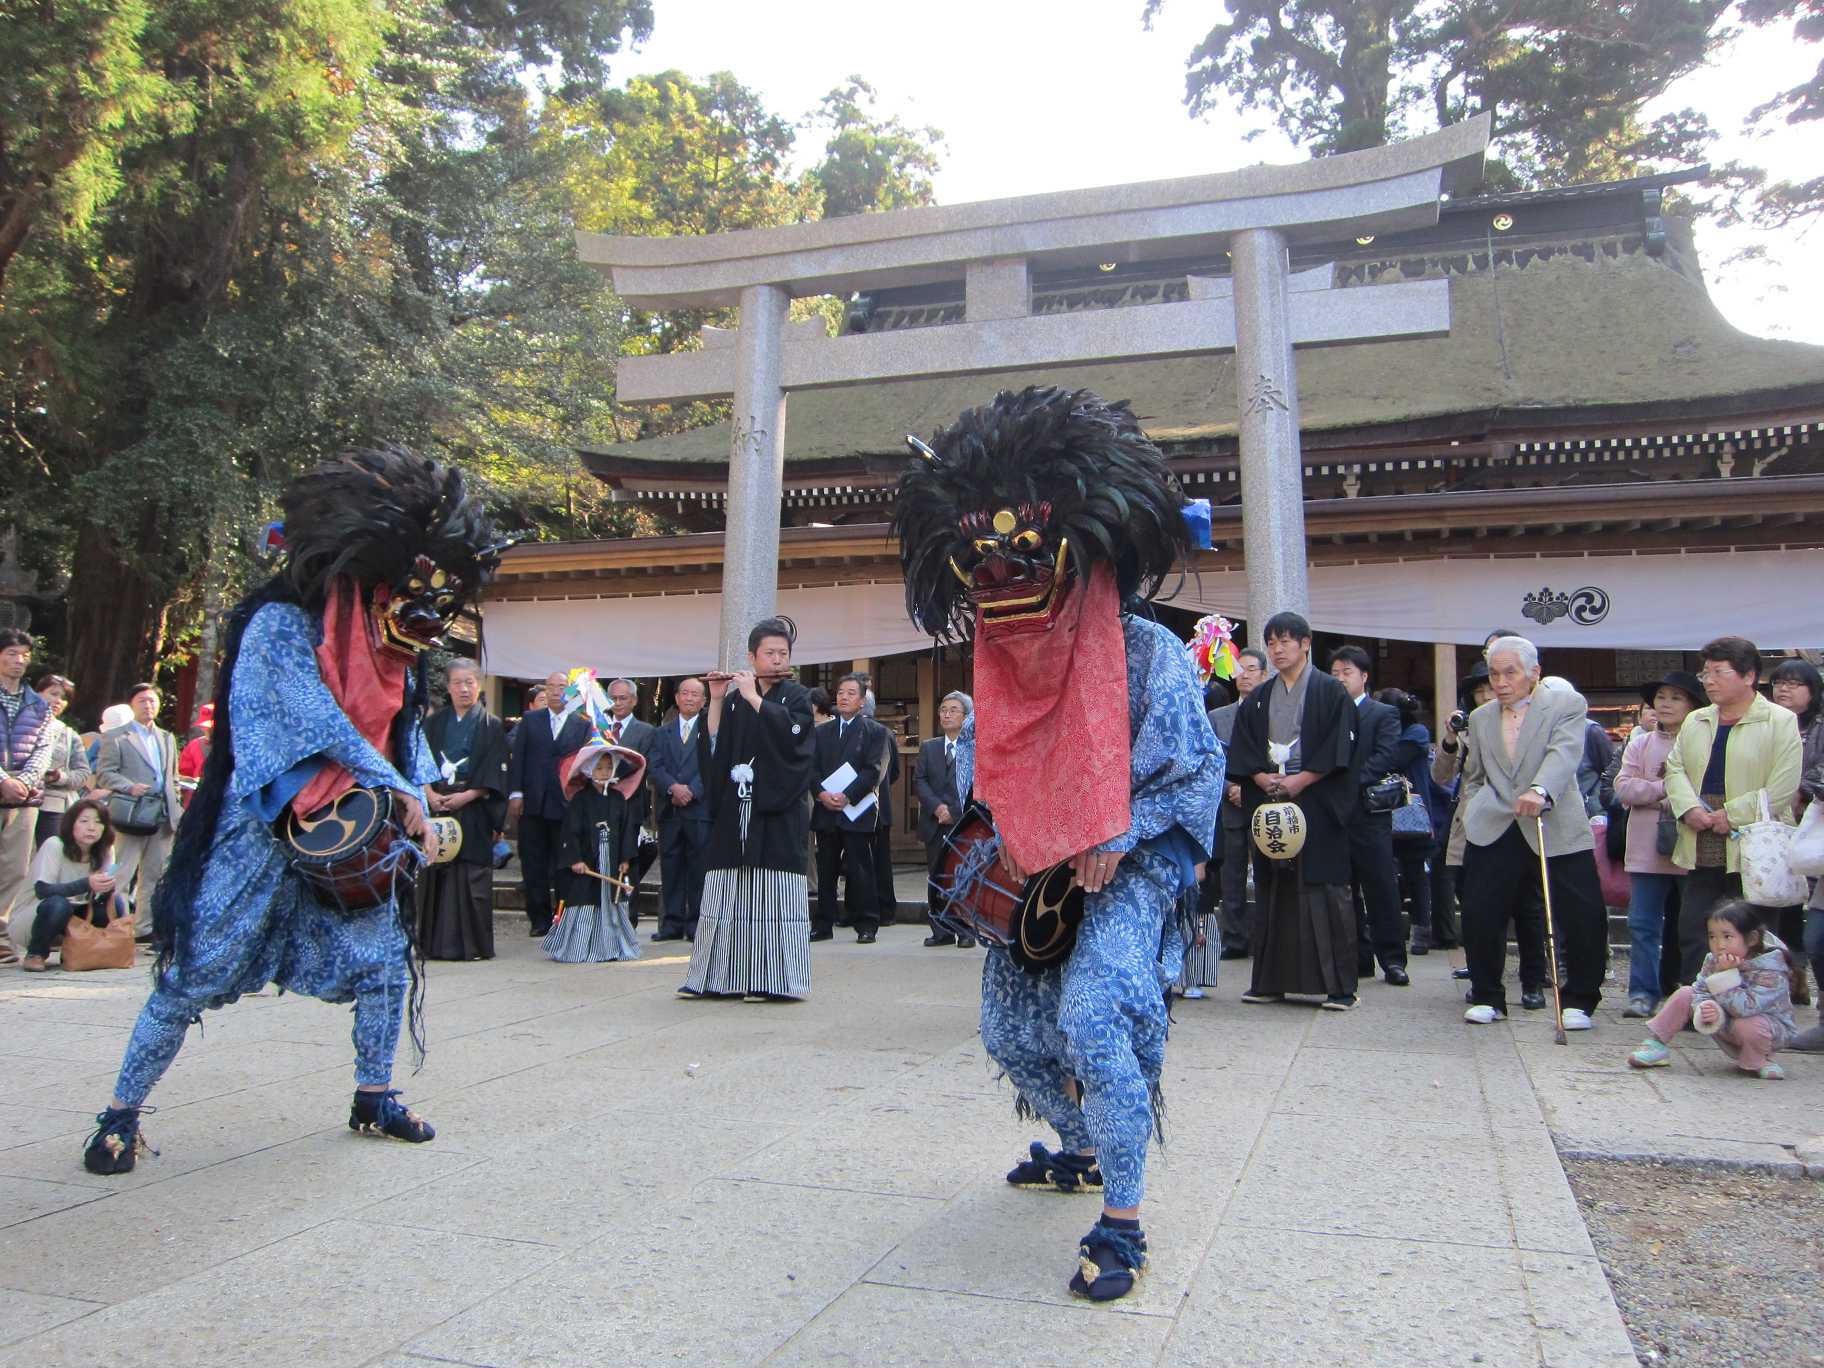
1036	923
345	850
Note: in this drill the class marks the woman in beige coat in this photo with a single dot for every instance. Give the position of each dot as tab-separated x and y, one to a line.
1730	757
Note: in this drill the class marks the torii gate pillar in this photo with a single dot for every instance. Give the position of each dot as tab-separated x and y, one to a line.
1266	400
756	471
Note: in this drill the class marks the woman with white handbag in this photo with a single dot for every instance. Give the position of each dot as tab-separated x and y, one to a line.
1733	771
1807	858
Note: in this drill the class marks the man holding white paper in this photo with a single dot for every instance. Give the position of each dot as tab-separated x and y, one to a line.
849	747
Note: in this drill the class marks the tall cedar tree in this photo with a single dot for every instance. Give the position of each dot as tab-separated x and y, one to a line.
1565	80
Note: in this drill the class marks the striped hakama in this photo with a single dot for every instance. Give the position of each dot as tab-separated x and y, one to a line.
753	935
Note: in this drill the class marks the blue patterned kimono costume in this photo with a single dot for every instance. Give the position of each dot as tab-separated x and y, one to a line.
255	922
1100	1018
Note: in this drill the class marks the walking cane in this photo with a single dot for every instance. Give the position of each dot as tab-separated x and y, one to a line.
1551	937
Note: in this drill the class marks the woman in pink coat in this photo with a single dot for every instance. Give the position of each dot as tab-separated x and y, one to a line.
1653	880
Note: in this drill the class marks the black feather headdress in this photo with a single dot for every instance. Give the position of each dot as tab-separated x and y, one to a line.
372	512
1010	483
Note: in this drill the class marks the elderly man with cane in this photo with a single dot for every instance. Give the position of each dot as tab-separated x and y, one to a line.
1524	821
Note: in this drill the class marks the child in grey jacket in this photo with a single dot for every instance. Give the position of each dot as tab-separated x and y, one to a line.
1742	997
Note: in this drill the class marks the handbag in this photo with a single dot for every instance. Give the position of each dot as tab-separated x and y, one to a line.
1617	889
1412	819
1617	834
1665	835
88	946
1765	862
1806	857
1384	794
139	816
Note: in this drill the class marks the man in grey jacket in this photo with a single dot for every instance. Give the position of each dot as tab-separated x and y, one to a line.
1521	770
134	761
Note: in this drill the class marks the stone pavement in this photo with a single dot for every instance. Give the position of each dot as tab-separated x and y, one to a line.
622	1178
1699	1109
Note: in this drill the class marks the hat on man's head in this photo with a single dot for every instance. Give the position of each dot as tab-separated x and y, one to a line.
1682	680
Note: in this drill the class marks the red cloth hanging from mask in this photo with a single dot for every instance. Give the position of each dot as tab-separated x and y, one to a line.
1052	750
368	684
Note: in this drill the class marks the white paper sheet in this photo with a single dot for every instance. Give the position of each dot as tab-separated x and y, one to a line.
838	781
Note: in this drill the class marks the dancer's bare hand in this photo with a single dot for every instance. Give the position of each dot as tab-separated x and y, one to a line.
1011	865
578	867
411	813
1094	870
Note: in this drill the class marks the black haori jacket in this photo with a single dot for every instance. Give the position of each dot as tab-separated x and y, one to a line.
1326	736
776	744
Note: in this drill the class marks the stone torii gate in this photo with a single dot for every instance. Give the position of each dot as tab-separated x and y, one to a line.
1261	312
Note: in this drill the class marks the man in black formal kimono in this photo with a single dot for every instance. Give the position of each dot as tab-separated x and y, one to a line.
469	748
1303	934
1376	895
754	751
847	844
536	793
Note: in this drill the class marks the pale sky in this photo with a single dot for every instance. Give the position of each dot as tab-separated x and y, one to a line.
1036	95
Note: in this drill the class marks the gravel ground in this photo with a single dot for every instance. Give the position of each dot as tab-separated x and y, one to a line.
1711	1268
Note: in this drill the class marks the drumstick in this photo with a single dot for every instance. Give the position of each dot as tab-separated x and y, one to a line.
610	879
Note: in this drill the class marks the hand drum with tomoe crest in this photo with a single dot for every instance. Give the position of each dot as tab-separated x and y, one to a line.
1035	923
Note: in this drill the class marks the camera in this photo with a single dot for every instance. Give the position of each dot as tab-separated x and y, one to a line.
1458	721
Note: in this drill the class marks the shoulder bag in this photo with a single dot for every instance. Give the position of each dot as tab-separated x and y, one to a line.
1768	879
1807	854
139	816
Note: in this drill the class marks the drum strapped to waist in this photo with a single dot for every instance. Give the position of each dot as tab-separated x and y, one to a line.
1035	923
350	850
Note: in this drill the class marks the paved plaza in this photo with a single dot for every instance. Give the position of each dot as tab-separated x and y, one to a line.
623	1178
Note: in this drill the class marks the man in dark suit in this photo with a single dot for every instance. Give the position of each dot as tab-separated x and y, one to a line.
886	894
677	785
844	844
1377	882
939	804
624	729
536	796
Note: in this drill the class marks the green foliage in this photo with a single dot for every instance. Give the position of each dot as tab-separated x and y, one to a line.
868	163
1564	80
237	236
1750	194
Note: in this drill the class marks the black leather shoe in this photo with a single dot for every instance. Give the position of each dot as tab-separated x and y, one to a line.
965	942
940	940
864	938
1397	977
1234	952
823	935
1533	1001
1459	973
662	936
